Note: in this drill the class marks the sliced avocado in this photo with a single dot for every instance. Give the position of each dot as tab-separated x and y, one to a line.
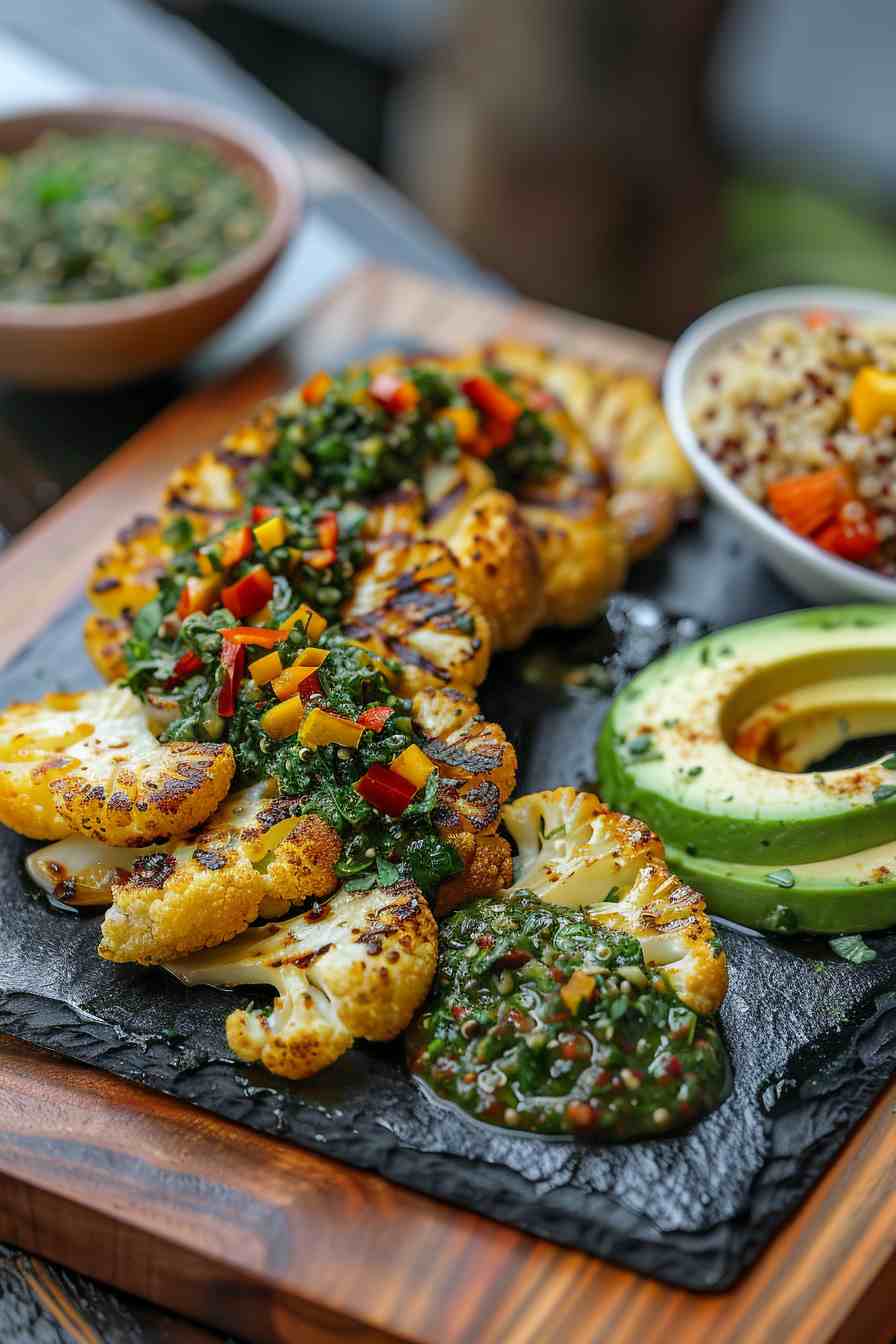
666	753
852	894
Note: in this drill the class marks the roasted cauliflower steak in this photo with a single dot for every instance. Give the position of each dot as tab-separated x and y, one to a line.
358	965
86	761
407	604
572	850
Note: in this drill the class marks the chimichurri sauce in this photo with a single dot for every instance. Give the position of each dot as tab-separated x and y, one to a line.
541	1021
356	435
205	671
104	216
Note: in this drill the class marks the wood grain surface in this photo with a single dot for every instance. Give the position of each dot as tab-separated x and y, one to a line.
265	1241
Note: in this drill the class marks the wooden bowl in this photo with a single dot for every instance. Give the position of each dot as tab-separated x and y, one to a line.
92	345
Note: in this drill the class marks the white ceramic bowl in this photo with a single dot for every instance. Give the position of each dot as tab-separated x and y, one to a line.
815	574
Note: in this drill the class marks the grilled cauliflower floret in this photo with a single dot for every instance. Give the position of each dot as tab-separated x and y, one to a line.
652	482
104	639
124	578
500	567
407	605
87	762
357	966
582	549
293	857
449	488
175	903
574	851
464	746
477	766
488	867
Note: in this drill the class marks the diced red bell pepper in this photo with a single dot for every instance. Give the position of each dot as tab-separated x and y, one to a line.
328	531
186	665
319	559
233	660
853	536
481	446
375	717
488	397
254	634
499	431
309	686
316	388
249	594
394	394
236	546
385	790
262	511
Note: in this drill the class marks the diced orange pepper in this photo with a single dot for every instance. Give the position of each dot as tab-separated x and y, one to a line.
289	680
465	422
284	719
263	636
806	502
316	388
321	729
266	669
198	595
236	546
271	533
873	396
818	318
491	399
328	530
579	986
312	620
413	765
319	559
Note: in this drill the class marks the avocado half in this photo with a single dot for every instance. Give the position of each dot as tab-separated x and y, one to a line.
712	746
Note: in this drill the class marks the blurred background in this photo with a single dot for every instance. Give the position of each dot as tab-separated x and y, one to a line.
634	161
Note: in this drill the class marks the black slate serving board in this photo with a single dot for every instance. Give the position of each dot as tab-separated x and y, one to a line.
812	1040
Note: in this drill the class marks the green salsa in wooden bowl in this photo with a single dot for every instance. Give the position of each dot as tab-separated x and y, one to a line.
130	231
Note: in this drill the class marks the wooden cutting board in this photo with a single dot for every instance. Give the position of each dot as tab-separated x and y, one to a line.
276	1244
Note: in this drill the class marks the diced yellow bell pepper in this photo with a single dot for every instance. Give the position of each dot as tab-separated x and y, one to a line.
270	533
579	986
322	728
205	565
873	397
311	657
283	720
313	622
287	683
266	669
413	765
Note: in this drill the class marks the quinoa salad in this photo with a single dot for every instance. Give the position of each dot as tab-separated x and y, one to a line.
801	413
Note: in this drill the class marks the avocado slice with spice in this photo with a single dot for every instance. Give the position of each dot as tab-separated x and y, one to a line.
855	893
667	752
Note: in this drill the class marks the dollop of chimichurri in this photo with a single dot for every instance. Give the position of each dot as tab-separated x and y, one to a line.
103	216
540	1020
206	673
354	435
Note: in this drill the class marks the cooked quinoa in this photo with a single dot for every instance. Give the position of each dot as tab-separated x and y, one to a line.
775	403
